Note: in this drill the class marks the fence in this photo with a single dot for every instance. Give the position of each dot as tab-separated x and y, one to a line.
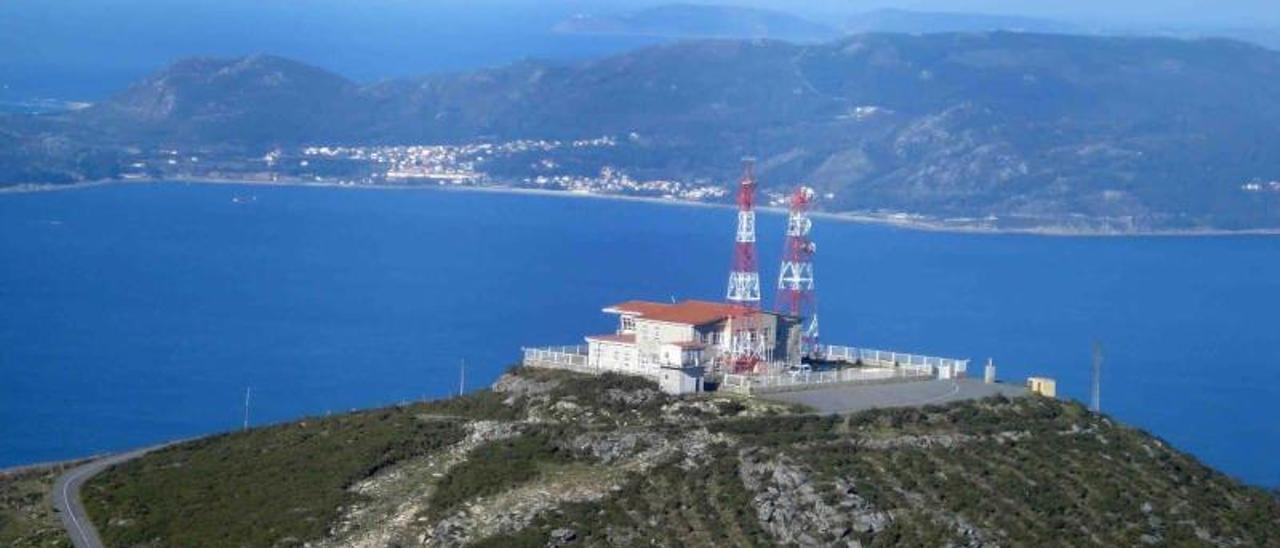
571	358
884	358
808	380
879	366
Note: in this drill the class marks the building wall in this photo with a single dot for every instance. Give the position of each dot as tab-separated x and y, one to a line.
790	335
613	356
782	333
679	381
714	336
651	335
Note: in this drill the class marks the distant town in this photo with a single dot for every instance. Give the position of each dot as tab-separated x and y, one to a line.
526	163
582	167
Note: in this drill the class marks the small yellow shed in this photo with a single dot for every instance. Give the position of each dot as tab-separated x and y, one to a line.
1043	386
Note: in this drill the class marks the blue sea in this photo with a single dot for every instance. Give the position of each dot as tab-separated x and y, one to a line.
131	314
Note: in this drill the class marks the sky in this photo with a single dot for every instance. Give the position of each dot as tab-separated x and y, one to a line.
87	49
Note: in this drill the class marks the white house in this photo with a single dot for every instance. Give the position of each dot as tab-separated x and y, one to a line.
675	344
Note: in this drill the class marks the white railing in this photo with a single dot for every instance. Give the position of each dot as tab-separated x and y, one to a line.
572	358
802	380
884	358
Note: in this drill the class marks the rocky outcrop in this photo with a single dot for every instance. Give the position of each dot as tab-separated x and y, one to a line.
516	386
397	497
793	510
798	511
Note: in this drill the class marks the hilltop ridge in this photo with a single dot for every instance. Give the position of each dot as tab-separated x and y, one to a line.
551	458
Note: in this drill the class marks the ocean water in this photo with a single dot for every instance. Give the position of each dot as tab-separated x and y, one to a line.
131	314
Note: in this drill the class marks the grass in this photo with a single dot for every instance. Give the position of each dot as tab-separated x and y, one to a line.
274	486
666	507
26	510
496	467
1047	489
1065	476
1049	485
478	405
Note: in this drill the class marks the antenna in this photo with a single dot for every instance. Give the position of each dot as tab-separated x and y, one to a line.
1096	401
746	338
795	279
248	392
462	378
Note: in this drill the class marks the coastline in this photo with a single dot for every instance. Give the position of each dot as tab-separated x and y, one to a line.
846	217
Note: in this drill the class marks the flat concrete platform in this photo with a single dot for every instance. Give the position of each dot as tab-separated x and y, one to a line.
851	399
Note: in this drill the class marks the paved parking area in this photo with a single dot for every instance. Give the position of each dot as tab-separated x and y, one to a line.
851	399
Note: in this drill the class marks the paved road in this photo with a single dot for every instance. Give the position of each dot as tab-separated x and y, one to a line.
66	496
854	398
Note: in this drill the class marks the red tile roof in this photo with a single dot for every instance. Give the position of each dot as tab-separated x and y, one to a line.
685	312
629	339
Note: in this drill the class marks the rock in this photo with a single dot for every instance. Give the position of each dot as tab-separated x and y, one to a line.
516	386
613	446
631	398
788	505
567	407
562	536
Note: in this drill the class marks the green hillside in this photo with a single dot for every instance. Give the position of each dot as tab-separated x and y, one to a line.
553	459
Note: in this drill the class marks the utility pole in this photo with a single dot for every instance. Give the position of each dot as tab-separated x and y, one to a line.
462	378
248	391
1095	402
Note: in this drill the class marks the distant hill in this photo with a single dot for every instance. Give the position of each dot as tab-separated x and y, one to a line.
1047	130
922	22
702	21
255	98
1262	36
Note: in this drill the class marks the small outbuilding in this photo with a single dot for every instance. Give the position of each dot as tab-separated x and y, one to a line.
1043	386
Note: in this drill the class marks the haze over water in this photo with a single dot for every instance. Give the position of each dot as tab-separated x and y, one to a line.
132	314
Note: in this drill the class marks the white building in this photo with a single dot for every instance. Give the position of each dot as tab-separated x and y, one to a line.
676	344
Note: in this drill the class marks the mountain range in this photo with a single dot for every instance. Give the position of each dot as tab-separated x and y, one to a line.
1043	130
685	21
701	21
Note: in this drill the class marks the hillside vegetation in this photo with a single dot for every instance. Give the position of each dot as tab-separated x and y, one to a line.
27	518
552	459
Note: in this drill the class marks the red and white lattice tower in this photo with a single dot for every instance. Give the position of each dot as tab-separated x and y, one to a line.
795	280
747	344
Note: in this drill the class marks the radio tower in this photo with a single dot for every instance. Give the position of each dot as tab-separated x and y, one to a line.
795	279
1095	399
747	344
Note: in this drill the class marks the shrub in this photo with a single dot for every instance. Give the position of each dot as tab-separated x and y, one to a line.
496	467
259	487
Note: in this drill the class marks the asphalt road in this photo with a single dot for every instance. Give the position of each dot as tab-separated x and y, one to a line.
851	399
66	496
